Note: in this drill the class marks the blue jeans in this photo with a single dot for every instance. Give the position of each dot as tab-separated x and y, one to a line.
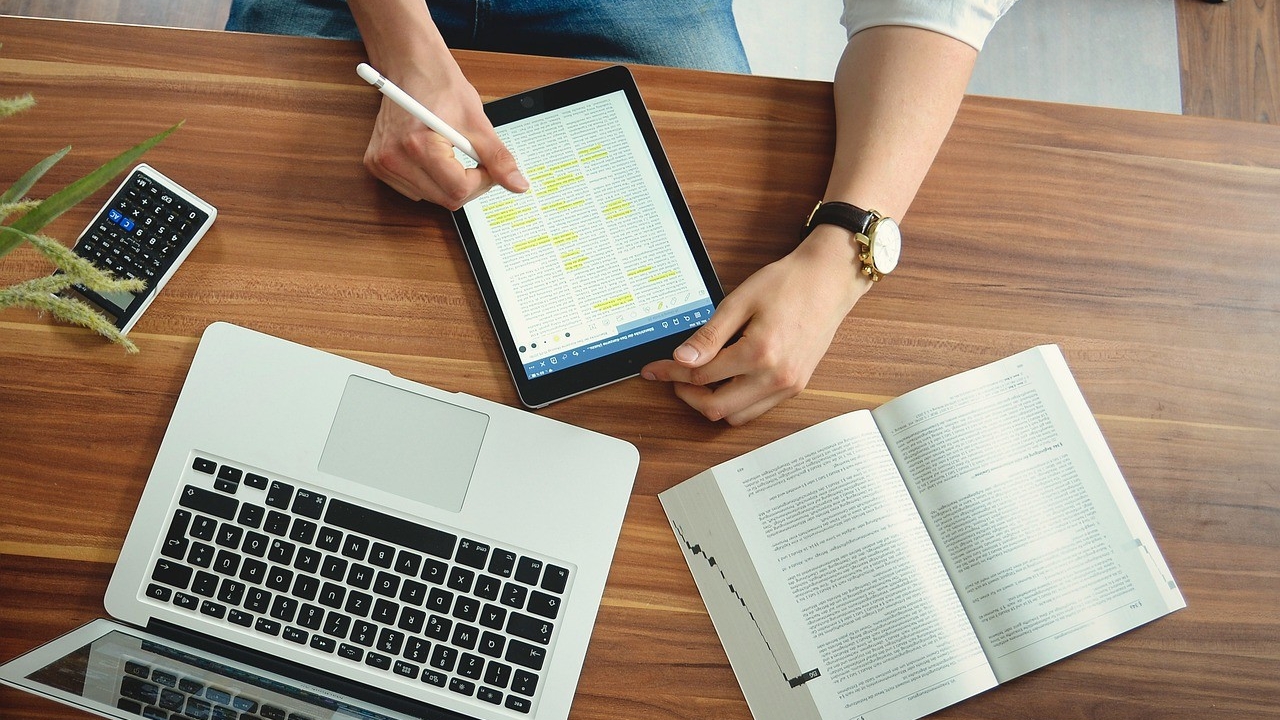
677	33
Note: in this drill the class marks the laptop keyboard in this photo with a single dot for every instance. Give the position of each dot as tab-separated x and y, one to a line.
424	604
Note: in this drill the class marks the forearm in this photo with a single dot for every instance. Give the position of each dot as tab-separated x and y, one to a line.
897	90
401	39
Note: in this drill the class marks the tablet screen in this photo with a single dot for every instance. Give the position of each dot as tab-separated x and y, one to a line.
598	268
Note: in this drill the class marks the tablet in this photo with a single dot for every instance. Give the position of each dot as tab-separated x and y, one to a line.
598	269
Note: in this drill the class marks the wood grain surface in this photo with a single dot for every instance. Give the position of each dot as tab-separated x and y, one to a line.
1143	244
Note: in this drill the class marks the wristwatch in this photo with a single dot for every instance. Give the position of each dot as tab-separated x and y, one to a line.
879	236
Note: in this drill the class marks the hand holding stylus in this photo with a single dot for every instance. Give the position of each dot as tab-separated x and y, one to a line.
412	147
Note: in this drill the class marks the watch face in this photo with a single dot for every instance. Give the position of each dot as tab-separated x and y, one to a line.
886	245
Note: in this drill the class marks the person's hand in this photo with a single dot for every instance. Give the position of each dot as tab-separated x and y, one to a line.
420	164
784	318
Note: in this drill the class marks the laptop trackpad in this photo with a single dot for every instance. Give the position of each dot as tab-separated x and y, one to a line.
404	443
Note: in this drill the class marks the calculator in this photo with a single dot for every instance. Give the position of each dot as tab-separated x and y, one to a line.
145	230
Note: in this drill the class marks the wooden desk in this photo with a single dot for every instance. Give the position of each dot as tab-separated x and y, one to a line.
1144	244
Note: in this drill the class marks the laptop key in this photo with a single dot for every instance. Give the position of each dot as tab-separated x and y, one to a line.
382	555
412	620
159	592
407	563
171	573
207	501
277	523
280	495
555	579
364	633
385	611
438	628
205	584
203	527
253	571
472	554
213	609
434	571
488	587
201	554
390	528
528	570
524	682
417	650
308	503
540	603
529	628
329	539
525	655
231	592
355	547
251	515
229	535
378	660
497	674
470	666
502	563
311	617
350	652
336	625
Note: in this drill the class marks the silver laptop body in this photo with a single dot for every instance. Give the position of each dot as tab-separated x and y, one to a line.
365	536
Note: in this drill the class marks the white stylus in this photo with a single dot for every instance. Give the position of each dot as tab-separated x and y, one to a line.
415	108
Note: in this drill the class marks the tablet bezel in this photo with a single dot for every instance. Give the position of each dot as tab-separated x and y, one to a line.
607	369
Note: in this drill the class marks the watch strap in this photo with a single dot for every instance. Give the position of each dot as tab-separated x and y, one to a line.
841	214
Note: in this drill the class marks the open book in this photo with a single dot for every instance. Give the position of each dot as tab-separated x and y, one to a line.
891	562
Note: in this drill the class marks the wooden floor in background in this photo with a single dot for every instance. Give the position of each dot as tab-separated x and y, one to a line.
1229	52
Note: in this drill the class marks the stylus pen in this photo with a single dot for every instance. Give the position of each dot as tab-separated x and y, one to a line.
415	108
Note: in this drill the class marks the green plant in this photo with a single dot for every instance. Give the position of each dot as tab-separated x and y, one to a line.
44	293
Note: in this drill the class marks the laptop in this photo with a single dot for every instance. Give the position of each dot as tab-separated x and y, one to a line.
320	538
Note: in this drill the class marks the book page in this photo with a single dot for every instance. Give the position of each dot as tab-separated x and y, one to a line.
760	654
1030	514
851	574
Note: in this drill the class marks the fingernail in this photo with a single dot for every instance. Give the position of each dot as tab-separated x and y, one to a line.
518	181
686	354
648	375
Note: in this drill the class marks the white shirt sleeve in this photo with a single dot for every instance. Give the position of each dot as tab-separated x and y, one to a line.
966	20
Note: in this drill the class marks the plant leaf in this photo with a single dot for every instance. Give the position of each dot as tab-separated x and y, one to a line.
21	206
78	270
70	310
67	197
15	105
24	183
